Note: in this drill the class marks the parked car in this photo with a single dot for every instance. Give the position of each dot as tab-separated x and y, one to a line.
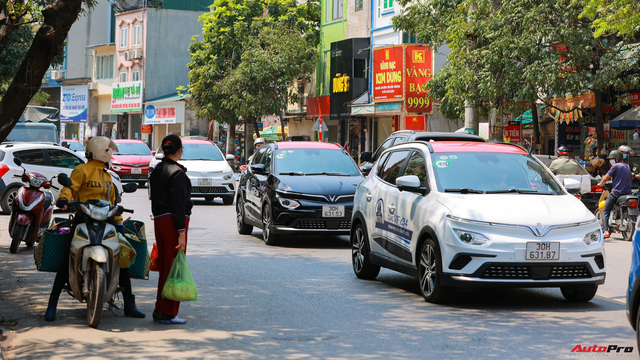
33	132
398	137
633	290
297	188
131	161
74	145
207	168
46	159
462	214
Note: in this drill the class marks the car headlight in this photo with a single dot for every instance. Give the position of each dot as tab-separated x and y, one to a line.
471	238
289	203
593	237
116	168
228	176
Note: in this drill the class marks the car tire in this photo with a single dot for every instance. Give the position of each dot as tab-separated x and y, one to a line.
227	200
208	198
243	227
628	233
267	235
429	272
638	326
582	293
8	198
362	266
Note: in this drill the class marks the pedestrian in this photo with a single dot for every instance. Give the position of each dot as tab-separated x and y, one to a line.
171	207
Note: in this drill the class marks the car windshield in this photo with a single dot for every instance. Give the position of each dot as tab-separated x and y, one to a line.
132	149
492	173
315	162
201	152
76	146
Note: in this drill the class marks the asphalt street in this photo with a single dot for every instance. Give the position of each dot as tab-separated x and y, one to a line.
301	300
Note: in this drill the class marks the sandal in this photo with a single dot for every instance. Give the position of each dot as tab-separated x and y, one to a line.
606	235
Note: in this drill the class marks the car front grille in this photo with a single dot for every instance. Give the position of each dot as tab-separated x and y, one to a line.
324	224
541	272
209	190
133	177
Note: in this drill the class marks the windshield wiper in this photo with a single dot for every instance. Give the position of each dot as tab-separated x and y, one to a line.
465	191
197	159
328	174
519	191
292	173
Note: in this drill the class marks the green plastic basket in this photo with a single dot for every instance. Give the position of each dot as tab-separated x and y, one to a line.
52	248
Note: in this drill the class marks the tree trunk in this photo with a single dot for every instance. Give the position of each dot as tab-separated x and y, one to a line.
536	125
6	30
497	134
231	140
47	44
254	121
599	120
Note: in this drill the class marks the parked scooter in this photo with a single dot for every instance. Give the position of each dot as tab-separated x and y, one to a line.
623	216
94	263
31	209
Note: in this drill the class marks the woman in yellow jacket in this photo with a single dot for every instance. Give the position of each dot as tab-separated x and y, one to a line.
92	182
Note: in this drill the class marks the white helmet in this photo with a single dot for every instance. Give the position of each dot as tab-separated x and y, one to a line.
258	142
624	149
101	148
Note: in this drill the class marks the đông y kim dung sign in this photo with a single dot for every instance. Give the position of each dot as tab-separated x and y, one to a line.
388	80
418	72
126	97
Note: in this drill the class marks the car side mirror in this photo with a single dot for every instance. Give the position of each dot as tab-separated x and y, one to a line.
258	169
159	156
130	187
410	183
366	169
153	152
365	156
65	144
64	180
230	157
17	161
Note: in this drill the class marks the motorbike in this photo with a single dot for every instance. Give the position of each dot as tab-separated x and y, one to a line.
623	216
32	209
94	255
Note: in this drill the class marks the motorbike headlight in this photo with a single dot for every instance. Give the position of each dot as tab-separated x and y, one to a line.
85	209
35	181
289	203
593	237
471	238
100	213
112	212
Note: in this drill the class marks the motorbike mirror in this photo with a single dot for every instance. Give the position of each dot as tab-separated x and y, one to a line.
64	180
17	161
130	188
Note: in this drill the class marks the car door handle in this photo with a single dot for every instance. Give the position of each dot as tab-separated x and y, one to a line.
368	196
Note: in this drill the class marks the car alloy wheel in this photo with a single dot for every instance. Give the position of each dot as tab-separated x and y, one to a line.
429	270
267	235
360	255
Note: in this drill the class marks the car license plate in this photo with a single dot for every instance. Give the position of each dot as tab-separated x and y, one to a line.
136	171
205	182
333	211
543	251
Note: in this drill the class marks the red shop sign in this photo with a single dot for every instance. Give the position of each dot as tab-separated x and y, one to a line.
387	73
415	122
418	72
147	129
512	132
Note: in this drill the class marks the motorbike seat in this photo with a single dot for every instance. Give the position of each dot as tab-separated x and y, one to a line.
624	198
48	199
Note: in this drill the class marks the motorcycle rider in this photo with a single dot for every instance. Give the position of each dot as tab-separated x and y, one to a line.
564	165
256	144
621	178
92	182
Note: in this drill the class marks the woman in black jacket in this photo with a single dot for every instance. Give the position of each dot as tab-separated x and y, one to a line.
171	207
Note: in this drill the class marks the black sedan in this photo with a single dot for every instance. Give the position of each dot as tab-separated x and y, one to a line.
297	188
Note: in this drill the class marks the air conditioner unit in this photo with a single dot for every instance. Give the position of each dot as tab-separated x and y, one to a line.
57	74
128	55
137	53
91	86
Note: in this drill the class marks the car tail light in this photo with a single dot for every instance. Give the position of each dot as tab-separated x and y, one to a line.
596	189
3	170
577	196
632	203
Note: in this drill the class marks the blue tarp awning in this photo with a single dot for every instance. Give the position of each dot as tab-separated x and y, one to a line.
629	119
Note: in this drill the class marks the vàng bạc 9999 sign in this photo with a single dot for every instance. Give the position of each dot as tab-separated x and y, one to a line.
418	73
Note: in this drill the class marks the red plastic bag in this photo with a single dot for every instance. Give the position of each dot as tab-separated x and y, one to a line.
154	258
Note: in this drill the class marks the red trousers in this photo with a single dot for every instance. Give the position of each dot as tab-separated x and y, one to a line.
167	240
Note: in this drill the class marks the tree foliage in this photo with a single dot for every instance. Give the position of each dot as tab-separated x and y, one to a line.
613	16
251	52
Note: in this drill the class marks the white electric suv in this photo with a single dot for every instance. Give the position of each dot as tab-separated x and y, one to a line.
460	213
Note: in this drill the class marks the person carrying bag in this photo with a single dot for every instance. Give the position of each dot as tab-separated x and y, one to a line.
171	207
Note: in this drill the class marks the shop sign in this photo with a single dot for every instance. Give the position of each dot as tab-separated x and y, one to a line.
160	114
512	132
633	98
415	122
74	104
147	129
363	110
126	97
389	107
418	72
388	79
340	83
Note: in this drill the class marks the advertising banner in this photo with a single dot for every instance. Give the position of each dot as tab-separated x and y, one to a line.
159	115
415	122
74	104
512	133
147	129
388	80
418	73
126	97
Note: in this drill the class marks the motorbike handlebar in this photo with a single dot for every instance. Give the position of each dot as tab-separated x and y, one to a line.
127	210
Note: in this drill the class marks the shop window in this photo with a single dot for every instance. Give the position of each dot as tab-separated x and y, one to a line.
104	67
359	5
337	9
325	74
360	68
135	75
124	37
137	34
123	77
327	10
